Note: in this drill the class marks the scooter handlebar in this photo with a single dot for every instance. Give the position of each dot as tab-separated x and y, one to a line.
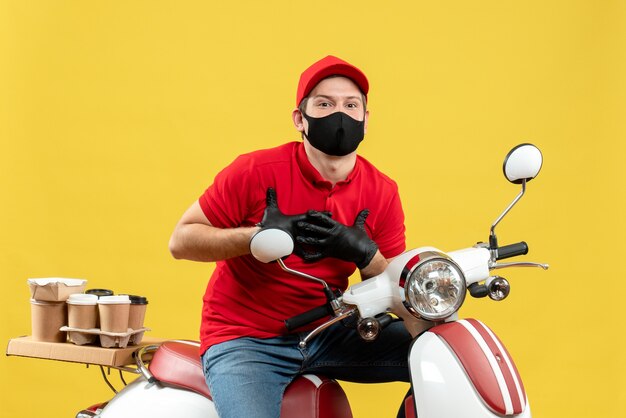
512	250
308	317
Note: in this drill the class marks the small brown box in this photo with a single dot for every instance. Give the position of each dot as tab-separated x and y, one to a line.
54	289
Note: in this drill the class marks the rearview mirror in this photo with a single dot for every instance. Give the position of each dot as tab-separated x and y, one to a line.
270	245
523	162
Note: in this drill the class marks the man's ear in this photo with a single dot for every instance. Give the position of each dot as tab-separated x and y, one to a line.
296	115
365	119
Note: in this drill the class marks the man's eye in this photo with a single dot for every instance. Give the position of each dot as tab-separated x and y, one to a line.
324	104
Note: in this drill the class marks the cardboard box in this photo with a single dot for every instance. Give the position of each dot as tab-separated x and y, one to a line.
55	289
112	357
107	339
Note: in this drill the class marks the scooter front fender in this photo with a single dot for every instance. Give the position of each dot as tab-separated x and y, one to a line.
461	369
142	399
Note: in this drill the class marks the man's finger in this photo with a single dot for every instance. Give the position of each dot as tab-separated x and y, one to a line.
359	222
298	218
310	241
312	257
270	198
321	218
309	227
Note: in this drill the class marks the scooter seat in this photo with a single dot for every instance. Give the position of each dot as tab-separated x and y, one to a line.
177	363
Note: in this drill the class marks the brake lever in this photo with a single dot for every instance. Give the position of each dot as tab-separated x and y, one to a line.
496	266
343	315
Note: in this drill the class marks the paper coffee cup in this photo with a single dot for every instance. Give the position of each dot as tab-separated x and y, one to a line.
46	319
99	293
138	306
82	311
114	313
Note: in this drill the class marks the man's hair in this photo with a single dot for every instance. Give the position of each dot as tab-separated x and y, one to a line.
304	101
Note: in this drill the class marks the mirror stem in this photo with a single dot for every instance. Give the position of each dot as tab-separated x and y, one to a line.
335	305
493	240
306	276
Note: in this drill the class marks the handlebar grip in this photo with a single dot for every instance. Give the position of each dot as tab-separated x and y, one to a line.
507	251
384	320
308	317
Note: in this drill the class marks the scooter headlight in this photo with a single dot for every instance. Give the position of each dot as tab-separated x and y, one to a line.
434	286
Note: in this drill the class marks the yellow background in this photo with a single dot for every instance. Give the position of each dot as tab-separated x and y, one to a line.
114	117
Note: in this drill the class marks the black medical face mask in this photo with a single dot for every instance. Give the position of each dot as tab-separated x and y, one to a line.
336	134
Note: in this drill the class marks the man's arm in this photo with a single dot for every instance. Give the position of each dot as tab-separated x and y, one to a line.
377	265
194	238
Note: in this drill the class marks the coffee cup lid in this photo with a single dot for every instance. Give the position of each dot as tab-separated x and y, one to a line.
99	292
138	300
114	300
82	299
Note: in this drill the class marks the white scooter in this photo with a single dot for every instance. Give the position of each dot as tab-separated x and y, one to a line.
458	368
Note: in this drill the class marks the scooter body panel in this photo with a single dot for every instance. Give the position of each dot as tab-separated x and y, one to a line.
141	399
446	385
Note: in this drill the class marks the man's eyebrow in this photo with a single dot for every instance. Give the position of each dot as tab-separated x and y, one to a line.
323	96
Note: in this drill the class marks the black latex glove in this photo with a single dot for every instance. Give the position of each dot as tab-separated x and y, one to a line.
274	218
325	237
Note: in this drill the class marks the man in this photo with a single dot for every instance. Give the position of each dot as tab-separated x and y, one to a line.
342	213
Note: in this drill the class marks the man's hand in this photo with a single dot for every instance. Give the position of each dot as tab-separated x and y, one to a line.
274	218
329	238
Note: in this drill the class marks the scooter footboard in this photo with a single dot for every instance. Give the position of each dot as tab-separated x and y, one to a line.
462	369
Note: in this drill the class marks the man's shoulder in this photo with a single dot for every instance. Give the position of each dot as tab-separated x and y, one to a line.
281	153
370	171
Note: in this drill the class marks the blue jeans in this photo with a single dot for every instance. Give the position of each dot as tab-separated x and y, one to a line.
247	376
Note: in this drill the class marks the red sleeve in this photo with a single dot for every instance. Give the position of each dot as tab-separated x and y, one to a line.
389	234
226	203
